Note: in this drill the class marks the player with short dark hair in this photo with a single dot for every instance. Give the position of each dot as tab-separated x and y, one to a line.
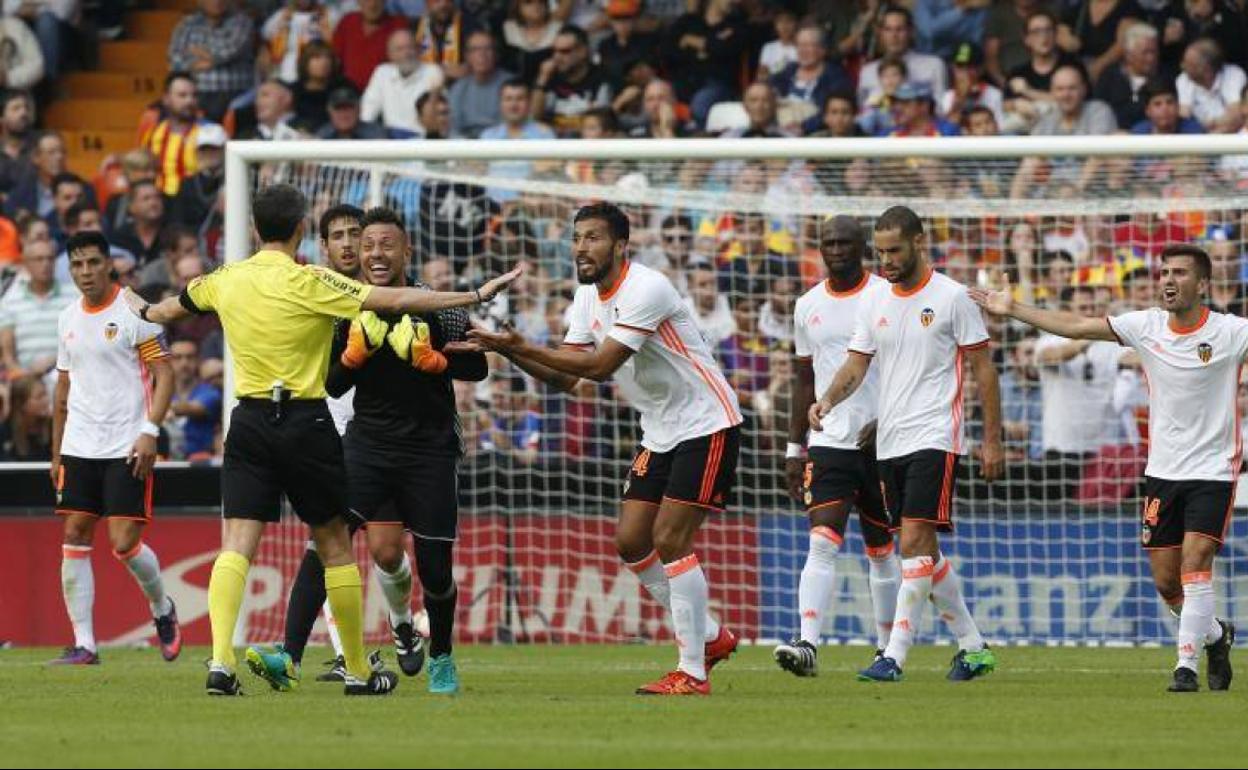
1191	356
629	323
113	387
920	331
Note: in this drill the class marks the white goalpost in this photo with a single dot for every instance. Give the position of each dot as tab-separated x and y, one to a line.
1049	555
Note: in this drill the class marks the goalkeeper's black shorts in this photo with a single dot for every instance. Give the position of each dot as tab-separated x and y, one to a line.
418	493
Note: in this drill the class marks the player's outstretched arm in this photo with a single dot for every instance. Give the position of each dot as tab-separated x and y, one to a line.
846	381
799	405
992	458
166	311
1070	325
410	299
597	364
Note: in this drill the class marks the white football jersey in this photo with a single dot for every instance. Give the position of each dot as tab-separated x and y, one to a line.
823	323
1193	376
105	350
918	339
1078	396
672	379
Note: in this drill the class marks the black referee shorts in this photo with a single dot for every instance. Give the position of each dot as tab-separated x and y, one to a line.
300	455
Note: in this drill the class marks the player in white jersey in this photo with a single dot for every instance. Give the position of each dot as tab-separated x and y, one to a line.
628	322
114	384
921	331
840	467
1193	359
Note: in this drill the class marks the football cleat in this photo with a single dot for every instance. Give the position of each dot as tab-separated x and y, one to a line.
969	665
443	677
720	648
222	682
76	656
379	683
798	657
676	683
276	667
1218	658
338	667
882	670
409	648
1184	681
169	633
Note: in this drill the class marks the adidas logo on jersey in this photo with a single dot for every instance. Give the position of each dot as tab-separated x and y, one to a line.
882	323
816	321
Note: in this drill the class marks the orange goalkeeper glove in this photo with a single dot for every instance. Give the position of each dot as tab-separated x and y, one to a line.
411	342
366	336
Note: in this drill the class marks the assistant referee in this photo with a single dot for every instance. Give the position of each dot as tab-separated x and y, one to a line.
278	317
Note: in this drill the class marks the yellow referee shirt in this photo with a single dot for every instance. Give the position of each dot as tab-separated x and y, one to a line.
278	318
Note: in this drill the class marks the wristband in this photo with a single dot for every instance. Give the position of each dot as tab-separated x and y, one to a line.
143	312
150	429
480	301
794	451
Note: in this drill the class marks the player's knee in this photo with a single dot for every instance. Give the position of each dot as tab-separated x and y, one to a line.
672	543
632	546
125	542
388	557
919	540
1169	589
78	530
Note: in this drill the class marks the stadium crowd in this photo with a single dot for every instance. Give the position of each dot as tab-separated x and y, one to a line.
423	70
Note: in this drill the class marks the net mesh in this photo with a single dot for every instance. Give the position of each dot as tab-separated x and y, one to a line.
1050	554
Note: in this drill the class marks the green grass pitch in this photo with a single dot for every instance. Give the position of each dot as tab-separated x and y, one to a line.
573	706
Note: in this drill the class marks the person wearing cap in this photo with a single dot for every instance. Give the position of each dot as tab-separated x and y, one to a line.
344	117
626	45
914	113
390	98
969	89
198	194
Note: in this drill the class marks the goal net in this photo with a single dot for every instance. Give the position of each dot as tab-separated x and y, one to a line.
1050	554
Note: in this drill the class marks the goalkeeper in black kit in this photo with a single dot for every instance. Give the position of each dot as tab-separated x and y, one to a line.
402	454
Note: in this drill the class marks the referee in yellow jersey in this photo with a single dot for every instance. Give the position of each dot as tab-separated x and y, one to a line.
278	318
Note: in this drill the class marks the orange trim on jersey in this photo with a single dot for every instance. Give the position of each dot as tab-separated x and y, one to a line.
861	353
681	566
128	555
827	284
925	569
1196	577
577	345
828	504
150	485
946	490
1204	316
670	499
920	286
1217	540
941	572
636	328
74	511
641	566
877	552
975	346
603	296
108	301
1114	331
715	453
76	551
667	333
828	533
957	402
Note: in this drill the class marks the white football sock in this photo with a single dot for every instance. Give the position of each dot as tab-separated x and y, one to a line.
690	596
145	567
78	587
817	581
331	628
397	588
884	577
916	585
1197	621
947	596
650	572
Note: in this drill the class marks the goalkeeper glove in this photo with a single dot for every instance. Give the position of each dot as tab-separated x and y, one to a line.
410	342
366	336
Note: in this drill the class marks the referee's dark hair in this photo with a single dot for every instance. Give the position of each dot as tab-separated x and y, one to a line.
382	215
617	220
277	211
900	218
85	240
1204	267
339	211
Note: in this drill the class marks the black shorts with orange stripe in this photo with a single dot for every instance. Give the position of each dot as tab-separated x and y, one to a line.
848	477
103	488
919	486
1172	509
698	472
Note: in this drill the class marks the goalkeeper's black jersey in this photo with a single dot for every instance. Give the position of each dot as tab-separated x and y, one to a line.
399	411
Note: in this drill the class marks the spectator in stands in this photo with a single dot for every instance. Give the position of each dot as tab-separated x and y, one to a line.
289	29
809	80
436	273
877	112
511	427
1022	404
173	139
141	236
474	97
1161	111
760	106
1227	293
1139	289
52	21
1220	20
775	315
837	117
748	264
176	242
673	252
1075	113
81	218
272	117
127	270
659	107
851	24
68	190
1209	88
17	135
433	111
216	45
29	312
781	50
390	98
137	165
32	190
529	34
319	74
895	38
1005	34
360	43
710	308
441	35
30	420
1058	271
569	84
21	59
195	410
184	359
969	89
626	45
746	353
942	25
1122	86
344	117
704	51
915	113
1028	87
